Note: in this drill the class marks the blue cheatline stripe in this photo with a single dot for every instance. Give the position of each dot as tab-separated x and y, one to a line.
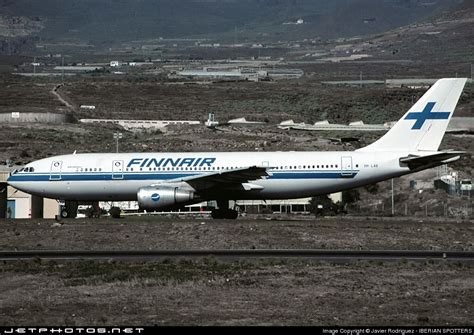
168	175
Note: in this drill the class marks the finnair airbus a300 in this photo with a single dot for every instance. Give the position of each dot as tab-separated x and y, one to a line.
161	181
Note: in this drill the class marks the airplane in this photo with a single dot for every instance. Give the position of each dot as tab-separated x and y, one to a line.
160	181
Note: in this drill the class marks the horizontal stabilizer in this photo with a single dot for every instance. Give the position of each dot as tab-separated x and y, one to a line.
416	162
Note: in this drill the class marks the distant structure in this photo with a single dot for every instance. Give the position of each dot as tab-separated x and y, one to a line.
29	117
461	124
456	125
89	107
243	122
251	74
78	68
236	74
211	121
140	124
325	125
297	22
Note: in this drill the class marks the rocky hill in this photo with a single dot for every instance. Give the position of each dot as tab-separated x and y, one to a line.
111	21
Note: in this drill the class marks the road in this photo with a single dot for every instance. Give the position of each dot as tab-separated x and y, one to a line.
340	256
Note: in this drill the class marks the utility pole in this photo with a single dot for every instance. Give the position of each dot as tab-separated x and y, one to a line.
62	69
117	136
393	202
235	35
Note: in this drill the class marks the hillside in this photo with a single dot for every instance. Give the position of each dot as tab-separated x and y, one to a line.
107	22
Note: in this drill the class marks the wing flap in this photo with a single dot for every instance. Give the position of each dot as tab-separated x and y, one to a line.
226	178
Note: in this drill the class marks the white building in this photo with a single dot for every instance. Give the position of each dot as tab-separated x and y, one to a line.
89	107
141	124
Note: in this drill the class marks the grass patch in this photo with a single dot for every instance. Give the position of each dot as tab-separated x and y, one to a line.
94	272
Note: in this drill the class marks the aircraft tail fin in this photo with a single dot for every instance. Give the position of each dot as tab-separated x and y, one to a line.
422	128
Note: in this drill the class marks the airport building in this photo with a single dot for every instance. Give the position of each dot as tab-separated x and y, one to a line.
21	205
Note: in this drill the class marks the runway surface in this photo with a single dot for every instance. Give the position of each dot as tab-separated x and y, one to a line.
237	254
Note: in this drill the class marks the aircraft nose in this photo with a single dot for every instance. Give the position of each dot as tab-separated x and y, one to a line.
12	181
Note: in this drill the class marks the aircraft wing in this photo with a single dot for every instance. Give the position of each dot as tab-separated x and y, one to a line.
439	158
225	178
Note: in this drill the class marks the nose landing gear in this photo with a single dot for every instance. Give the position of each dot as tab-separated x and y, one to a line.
69	210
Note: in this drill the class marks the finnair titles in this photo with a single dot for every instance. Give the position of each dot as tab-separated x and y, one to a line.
170	162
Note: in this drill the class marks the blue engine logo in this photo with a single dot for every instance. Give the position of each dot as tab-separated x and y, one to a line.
155	197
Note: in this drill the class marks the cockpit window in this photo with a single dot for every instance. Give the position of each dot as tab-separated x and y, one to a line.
27	169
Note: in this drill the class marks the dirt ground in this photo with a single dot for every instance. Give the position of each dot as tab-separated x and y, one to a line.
257	292
148	233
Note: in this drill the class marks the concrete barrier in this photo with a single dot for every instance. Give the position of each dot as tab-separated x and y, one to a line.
20	117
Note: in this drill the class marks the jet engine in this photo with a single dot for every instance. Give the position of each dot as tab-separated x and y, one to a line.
160	197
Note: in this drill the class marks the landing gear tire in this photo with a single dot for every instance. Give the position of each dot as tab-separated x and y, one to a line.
69	210
224	214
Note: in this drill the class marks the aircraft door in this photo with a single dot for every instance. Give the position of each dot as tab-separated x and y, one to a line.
55	172
117	170
346	166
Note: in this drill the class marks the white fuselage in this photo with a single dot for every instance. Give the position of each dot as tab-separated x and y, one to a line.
109	177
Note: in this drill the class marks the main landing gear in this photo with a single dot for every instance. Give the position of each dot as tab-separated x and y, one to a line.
224	212
69	210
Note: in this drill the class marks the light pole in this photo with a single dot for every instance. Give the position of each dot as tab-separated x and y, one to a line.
117	136
393	202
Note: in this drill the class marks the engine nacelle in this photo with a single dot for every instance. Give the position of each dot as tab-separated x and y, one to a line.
160	197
